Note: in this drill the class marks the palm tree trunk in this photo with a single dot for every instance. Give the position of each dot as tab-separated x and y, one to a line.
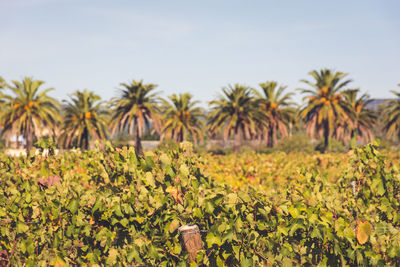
237	140
28	136
86	139
326	136
353	140
260	138
138	140
270	137
180	140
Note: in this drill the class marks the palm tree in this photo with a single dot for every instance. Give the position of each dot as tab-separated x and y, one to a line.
85	118
135	109
391	116
28	112
182	117
325	107
362	119
2	83
236	112
277	110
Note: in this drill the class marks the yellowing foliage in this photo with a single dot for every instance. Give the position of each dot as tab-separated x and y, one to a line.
252	209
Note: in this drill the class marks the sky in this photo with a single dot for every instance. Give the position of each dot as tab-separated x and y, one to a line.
198	46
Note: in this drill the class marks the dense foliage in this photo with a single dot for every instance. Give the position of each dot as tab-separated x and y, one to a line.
330	112
112	207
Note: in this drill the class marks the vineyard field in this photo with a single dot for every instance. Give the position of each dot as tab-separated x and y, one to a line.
111	207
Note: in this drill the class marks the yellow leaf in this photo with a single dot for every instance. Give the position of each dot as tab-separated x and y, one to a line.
363	231
58	262
175	194
174	225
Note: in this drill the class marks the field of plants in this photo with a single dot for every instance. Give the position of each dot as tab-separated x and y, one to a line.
111	207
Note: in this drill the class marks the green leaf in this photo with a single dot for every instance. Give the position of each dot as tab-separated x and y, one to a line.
286	262
133	254
184	170
153	252
247	262
97	205
28	198
22	227
117	210
73	205
209	207
112	256
294	212
124	222
177	249
165	160
212	239
150	179
238	225
244	196
381	189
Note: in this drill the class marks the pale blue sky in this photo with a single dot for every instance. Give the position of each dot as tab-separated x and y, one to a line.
198	46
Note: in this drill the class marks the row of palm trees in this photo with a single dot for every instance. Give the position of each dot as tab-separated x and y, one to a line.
330	110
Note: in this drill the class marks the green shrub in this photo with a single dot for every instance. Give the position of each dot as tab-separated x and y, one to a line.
335	146
246	149
220	151
295	143
122	140
168	144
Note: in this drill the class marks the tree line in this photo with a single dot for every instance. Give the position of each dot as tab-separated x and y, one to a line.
330	109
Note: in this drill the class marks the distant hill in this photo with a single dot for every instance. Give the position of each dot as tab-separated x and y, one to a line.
375	103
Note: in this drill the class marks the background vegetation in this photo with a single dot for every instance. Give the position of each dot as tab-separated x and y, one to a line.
333	115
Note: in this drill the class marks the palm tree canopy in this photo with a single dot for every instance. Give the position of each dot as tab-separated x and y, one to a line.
137	106
85	118
182	117
277	107
3	83
325	106
391	116
362	118
274	96
29	111
235	111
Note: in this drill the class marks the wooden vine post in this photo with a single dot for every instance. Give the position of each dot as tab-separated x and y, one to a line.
191	240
